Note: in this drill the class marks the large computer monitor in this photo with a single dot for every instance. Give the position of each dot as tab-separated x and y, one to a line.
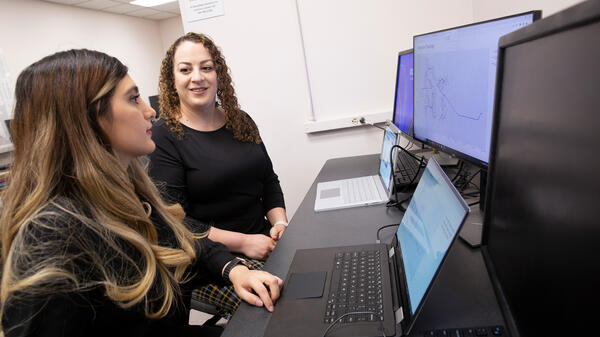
403	95
541	228
454	79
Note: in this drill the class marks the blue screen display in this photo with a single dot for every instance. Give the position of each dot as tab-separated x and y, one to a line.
454	81
403	108
385	167
428	227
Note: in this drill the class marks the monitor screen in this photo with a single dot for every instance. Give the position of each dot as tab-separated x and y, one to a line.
541	220
385	167
403	101
154	103
428	227
455	76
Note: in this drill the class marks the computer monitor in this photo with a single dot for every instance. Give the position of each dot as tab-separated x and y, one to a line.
454	79
153	100
541	228
403	95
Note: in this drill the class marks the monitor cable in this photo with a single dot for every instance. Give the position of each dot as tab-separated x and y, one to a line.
398	203
354	313
458	171
468	181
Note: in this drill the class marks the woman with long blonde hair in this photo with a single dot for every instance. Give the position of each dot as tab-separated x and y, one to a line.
88	246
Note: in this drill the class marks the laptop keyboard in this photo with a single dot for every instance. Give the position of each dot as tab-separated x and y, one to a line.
359	189
497	330
356	286
407	167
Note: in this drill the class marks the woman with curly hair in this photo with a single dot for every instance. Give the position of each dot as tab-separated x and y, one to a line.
210	156
88	246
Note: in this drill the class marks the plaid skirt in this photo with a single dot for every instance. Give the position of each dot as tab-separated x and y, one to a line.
224	298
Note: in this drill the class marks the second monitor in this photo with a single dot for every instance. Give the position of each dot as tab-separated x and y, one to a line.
454	81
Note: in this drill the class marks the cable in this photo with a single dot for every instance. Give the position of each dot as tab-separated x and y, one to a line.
464	186
474	203
354	313
382	227
364	122
460	167
377	126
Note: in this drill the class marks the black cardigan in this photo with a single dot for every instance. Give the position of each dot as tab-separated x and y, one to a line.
217	178
89	312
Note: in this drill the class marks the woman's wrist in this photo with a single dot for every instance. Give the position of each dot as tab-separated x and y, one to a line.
281	222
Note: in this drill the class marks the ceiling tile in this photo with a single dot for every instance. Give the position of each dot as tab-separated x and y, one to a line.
172	7
161	16
98	4
144	12
66	2
123	9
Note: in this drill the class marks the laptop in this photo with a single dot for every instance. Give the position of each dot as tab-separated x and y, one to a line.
319	299
360	191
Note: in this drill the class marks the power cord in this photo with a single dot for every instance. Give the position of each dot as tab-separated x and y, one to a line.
354	313
382	227
364	122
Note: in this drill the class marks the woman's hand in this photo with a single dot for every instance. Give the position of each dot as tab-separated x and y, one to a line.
277	231
257	246
266	286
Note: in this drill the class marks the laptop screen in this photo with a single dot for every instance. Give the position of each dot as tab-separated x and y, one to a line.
385	167
428	227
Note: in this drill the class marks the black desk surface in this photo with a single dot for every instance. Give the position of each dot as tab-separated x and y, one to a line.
462	296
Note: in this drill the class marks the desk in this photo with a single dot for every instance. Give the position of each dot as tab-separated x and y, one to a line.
462	296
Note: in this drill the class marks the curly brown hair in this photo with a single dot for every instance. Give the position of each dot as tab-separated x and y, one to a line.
236	120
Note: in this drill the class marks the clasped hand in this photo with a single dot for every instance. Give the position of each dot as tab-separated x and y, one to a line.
258	246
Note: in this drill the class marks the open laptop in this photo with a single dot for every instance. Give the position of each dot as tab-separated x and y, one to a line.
318	295
360	191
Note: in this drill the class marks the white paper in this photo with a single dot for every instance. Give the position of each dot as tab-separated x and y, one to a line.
202	9
6	103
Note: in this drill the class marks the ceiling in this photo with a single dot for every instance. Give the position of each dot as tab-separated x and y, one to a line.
160	12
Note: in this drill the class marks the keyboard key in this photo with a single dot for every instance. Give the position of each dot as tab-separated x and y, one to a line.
481	332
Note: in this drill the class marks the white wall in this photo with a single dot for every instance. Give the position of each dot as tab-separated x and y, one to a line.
170	30
30	30
262	45
261	41
486	9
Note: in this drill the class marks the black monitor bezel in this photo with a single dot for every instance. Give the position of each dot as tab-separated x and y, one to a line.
410	133
573	17
537	14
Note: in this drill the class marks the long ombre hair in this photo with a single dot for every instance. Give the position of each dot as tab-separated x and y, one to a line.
60	154
237	121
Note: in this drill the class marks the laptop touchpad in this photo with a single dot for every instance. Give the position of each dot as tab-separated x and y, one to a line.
330	193
306	285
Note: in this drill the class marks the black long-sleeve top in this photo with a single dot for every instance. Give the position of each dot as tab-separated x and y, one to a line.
217	178
89	312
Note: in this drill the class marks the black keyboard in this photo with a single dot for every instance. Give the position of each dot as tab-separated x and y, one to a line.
356	286
407	168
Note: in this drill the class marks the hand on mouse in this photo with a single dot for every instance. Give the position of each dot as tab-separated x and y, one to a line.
266	287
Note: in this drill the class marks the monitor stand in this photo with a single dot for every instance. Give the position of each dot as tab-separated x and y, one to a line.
473	227
442	158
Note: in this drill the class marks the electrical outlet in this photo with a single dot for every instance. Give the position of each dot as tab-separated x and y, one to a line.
355	121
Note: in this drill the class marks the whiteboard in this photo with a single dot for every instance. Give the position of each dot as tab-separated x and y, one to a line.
351	48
